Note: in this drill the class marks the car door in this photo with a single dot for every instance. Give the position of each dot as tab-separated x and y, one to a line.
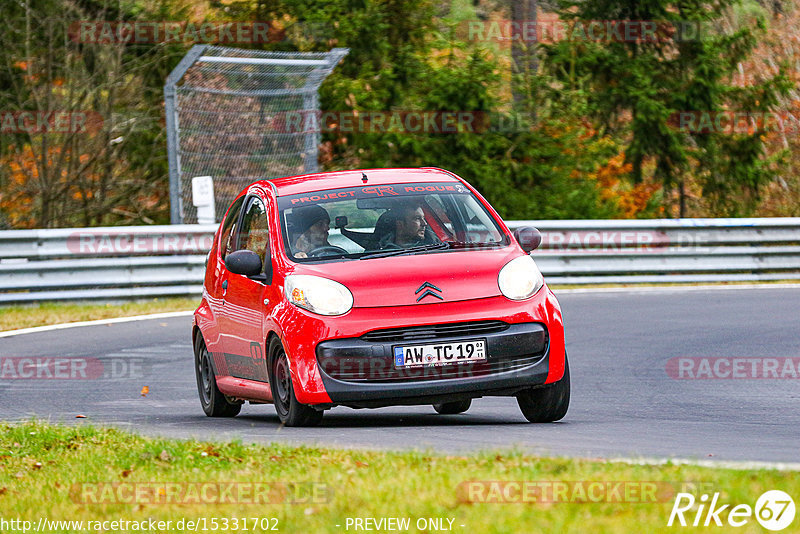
247	302
215	276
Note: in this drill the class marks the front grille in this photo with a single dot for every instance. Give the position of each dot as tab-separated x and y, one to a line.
435	331
379	372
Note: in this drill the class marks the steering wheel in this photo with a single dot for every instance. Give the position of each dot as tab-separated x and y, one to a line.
326	250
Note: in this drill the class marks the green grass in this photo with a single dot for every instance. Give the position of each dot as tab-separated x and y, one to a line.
45	469
26	316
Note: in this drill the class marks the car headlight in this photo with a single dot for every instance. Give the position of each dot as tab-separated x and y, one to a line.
318	295
520	278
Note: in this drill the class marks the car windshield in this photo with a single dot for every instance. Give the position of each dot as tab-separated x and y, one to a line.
385	220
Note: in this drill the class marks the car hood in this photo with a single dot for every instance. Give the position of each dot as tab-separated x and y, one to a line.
401	280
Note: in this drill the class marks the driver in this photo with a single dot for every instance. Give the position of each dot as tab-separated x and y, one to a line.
311	225
409	228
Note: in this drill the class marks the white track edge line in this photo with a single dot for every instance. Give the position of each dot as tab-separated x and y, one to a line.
645	289
47	328
661	289
717	464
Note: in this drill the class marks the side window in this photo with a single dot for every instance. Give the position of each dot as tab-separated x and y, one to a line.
254	233
228	228
479	224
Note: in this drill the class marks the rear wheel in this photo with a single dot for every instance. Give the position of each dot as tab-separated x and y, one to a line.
211	398
548	404
290	411
452	408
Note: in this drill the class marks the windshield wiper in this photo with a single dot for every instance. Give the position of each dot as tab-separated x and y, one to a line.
401	251
479	244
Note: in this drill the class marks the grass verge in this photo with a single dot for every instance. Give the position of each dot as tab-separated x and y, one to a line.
47	313
58	472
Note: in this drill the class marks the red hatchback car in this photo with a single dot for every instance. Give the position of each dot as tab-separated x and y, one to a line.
374	288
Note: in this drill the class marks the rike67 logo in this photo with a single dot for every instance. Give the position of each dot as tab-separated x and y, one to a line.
774	510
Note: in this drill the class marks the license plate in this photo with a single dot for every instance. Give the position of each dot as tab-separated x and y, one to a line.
439	354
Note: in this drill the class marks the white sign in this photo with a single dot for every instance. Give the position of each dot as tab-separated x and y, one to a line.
203	199
202	191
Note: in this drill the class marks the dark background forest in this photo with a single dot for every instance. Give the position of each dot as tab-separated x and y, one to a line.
595	133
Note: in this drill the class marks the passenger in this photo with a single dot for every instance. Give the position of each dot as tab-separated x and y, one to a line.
310	225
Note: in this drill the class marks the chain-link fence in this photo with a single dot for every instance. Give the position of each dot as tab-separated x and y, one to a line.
226	110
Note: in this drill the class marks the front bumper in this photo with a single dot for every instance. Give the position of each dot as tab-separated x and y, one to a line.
307	338
360	372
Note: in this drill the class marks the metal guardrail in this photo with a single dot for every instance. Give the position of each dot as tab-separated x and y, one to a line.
668	250
103	263
118	263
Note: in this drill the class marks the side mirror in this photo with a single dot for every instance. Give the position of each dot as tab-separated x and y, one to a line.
244	262
528	237
340	221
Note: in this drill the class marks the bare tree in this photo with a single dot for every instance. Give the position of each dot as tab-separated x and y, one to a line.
79	143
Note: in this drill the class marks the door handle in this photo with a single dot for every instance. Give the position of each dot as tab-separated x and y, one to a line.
224	287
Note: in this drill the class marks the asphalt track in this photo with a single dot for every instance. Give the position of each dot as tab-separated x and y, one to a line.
624	402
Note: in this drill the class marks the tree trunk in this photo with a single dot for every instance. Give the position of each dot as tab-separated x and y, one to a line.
637	169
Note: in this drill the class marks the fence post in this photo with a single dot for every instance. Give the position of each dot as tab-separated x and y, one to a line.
171	114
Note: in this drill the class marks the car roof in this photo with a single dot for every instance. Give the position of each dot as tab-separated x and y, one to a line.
306	183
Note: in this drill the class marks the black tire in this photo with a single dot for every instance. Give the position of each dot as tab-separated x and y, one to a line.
214	403
290	411
452	408
548	404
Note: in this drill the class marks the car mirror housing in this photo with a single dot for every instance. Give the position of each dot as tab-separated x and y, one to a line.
244	262
528	237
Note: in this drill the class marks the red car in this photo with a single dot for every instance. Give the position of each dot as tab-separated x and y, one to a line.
374	288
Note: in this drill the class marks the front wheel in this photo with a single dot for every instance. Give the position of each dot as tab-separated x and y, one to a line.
290	411
547	404
452	408
211	398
